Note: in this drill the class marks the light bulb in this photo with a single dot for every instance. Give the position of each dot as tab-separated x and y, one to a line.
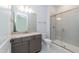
26	9
30	10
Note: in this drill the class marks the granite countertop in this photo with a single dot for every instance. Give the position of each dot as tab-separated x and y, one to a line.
18	35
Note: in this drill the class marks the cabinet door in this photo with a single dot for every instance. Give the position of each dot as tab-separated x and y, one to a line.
18	46
35	44
26	43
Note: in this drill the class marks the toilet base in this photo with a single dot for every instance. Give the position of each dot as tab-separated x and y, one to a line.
47	42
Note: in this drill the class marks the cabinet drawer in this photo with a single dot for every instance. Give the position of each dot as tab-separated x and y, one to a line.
20	47
38	37
16	40
25	39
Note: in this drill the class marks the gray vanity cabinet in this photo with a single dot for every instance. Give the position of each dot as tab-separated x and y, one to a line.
35	44
28	44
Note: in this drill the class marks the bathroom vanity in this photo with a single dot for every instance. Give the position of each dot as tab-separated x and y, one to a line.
26	42
22	22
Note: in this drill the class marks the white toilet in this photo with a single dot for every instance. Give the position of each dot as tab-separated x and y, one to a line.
46	41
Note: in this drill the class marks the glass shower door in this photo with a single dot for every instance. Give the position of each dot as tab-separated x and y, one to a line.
57	30
71	30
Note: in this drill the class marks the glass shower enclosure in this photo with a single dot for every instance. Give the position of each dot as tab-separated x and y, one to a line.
64	29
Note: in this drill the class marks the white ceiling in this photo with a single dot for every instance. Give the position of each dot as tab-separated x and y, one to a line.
54	9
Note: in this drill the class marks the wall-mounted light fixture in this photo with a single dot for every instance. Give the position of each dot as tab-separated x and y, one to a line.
25	9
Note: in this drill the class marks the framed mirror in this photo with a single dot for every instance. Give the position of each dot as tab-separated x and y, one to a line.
20	22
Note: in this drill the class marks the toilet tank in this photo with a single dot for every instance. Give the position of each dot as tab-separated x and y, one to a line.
44	35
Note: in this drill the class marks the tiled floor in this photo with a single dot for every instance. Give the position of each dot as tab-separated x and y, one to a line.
53	49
